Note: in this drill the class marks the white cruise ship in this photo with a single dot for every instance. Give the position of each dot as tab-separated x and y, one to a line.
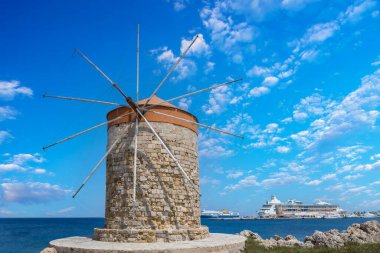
274	208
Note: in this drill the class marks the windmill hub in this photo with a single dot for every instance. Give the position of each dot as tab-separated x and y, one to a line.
166	207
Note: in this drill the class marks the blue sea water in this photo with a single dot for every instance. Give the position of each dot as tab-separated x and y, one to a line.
31	235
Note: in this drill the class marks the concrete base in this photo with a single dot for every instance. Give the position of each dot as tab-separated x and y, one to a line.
214	243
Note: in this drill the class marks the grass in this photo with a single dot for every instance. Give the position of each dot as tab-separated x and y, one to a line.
252	247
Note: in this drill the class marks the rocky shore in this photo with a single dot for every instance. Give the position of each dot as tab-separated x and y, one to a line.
367	232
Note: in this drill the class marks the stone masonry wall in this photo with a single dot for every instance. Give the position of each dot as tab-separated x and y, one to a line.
167	207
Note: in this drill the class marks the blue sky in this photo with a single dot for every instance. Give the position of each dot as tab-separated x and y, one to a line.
308	105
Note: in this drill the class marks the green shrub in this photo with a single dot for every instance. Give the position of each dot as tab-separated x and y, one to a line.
253	247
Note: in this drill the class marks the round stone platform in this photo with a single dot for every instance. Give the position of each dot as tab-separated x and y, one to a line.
214	243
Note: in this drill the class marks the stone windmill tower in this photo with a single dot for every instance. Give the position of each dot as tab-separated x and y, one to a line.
152	184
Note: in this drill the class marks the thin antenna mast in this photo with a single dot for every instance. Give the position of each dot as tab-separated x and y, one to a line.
137	116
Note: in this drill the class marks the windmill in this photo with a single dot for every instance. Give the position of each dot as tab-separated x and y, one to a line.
158	208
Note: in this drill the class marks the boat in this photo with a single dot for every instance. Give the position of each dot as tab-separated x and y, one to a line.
274	208
219	214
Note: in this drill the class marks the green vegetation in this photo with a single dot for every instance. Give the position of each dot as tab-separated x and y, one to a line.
252	247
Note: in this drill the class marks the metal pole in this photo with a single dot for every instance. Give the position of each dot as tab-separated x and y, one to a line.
83	100
171	70
135	160
102	73
197	124
138	63
97	166
195	92
87	130
169	152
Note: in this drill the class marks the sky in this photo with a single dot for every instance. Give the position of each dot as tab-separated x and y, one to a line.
308	105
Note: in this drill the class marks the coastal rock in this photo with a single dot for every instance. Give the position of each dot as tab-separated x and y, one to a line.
250	234
49	250
330	239
368	232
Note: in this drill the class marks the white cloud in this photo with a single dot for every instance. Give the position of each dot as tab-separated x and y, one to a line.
375	183
185	103
213	147
225	33
314	182
338	187
66	210
179	5
249	181
218	100
209	181
234	174
10	89
311	106
39	171
354	12
7	112
353	177
270	81
24	158
295	4
258	71
283	149
209	67
5	212
32	192
11	167
167	58
320	32
199	48
4	135
258	91
328	176
356	189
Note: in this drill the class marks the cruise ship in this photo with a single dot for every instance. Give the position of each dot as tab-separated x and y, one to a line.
274	208
219	214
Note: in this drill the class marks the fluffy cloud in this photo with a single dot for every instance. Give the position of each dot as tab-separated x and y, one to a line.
258	91
225	33
7	112
4	135
314	182
199	48
10	89
179	5
218	100
355	113
213	147
283	149
270	81
354	12
209	181
167	58
209	67
234	174
24	158
32	192
184	103
66	210
11	167
312	106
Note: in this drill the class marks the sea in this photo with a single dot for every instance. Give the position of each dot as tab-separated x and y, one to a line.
31	235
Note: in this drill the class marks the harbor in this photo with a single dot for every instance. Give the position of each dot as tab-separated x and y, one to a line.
291	209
